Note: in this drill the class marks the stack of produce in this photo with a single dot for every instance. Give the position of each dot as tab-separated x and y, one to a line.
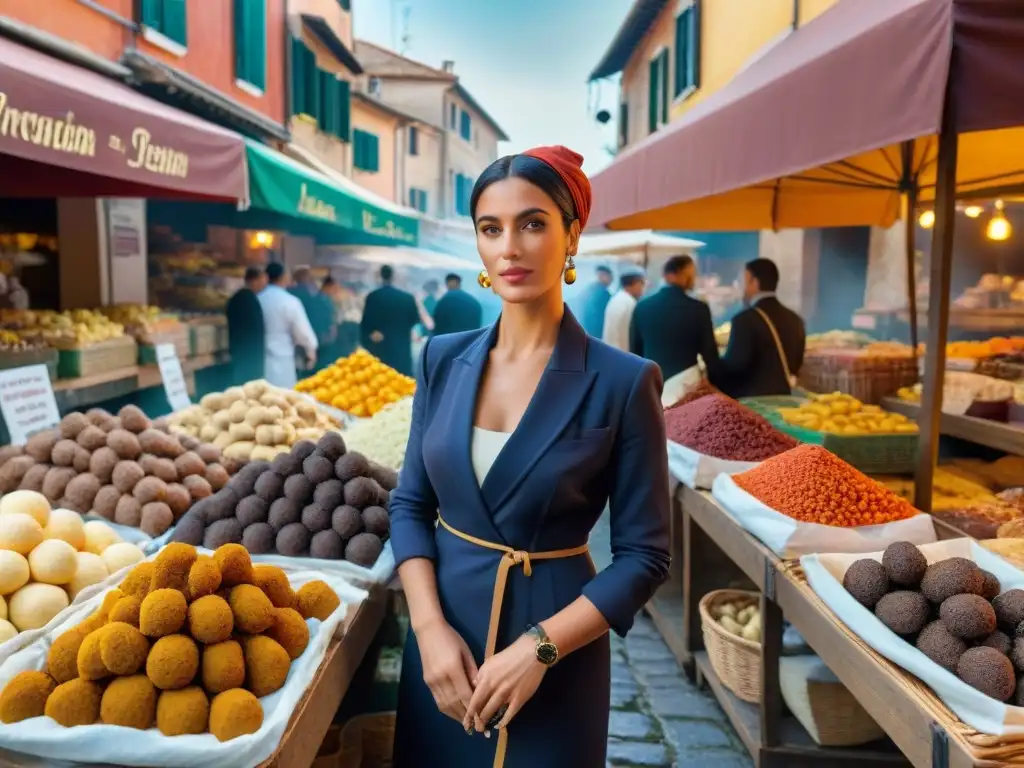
189	643
813	485
383	437
122	468
142	321
254	422
979	632
47	557
703	389
837	339
841	414
876	371
70	329
719	427
961	389
12	341
318	500
740	617
359	384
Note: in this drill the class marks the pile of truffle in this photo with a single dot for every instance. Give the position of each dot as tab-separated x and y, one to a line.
717	426
318	500
189	643
952	610
122	467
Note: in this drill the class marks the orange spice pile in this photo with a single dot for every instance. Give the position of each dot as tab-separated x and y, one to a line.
813	485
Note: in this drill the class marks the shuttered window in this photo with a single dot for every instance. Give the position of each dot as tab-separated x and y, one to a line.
365	151
344	125
330	102
466	126
168	17
305	83
414	140
418	199
657	99
251	42
463	192
687	57
623	124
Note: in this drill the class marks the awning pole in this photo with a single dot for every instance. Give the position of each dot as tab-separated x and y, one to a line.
939	269
909	184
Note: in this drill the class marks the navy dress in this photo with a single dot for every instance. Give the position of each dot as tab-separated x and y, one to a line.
593	434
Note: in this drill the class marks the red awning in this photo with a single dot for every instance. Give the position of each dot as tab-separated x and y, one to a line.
116	140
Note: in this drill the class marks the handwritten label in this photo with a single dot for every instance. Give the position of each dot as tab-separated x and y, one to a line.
865	322
173	376
388	229
312	206
27	402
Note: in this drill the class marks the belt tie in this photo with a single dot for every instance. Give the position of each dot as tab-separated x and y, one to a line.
510	559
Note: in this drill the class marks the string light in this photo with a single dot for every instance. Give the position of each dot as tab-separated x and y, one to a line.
973	211
998	227
262	239
926	219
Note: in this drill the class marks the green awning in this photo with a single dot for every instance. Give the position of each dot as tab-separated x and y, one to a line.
281	185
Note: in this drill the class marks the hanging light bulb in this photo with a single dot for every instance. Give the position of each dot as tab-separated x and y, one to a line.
998	227
926	219
973	211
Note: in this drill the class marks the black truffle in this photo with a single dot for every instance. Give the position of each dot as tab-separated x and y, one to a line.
351	466
989	671
953	576
999	641
327	545
201	508
866	580
383	498
376	521
227	531
992	586
250	510
904	612
221	505
302	450
969	617
1017	654
316	518
936	642
317	468
259	539
331	446
190	529
283	512
269	486
285	464
904	564
363	549
330	494
298	488
293	540
385	476
1009	608
362	493
346	521
245	481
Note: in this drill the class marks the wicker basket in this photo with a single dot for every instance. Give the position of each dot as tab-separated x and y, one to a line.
331	749
736	661
869	378
824	706
368	741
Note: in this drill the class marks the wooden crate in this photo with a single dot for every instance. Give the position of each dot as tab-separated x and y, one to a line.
45	356
180	338
78	362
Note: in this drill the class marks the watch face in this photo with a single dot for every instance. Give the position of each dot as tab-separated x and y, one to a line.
547	653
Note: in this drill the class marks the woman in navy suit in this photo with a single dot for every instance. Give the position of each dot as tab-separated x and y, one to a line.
521	434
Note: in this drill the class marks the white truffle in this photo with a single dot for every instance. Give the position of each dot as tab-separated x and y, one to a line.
3	608
53	562
121	555
32	606
31	503
20	533
14	571
66	525
90	570
99	536
7	631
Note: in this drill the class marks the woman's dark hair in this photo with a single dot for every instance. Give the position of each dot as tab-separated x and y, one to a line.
535	171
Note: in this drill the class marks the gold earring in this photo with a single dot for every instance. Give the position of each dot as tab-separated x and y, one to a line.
570	271
483	279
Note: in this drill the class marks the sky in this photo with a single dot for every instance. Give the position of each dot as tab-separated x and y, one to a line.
526	61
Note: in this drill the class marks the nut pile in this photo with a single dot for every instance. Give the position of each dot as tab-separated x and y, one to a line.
953	611
720	427
813	485
318	500
703	389
384	436
189	643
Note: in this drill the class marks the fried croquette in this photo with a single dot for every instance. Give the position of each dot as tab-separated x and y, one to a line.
123	648
129	701
290	631
25	696
223	667
163	612
235	564
210	620
171	567
183	711
62	658
252	610
235	713
274	583
316	600
138	580
266	665
173	662
76	702
203	577
90	657
127	610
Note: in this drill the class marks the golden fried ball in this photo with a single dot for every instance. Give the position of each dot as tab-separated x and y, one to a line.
123	648
90	657
62	658
316	600
234	563
76	702
252	609
171	567
210	620
173	662
223	667
266	665
290	631
274	583
163	612
183	711
25	696
127	609
129	701
203	577
138	579
235	713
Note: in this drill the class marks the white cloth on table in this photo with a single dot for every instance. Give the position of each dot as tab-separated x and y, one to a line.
486	446
617	317
286	327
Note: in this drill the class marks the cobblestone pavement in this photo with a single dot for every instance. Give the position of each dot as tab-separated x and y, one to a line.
658	717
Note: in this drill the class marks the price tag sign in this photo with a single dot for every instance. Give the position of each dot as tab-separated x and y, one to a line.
864	322
27	402
173	376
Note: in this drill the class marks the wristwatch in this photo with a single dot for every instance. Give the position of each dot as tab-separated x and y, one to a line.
547	651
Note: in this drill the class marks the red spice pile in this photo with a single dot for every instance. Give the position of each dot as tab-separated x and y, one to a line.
814	485
703	389
720	427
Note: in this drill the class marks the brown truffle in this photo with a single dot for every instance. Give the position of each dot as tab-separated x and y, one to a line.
133	419
182	712
266	665
197	487
25	696
188	464
235	713
75	702
40	446
178	499
989	671
315	518
150	489
173	662
55	482
363	549
128	512
331	445
298	488
124	444
269	486
1009	608
72	424
190	529
992	586
317	468
327	545
999	641
220	505
283	512
286	465
102	463
316	600
162	613
347	521
361	492
126	474
936	642
81	492
160	444
101	418
351	466
156	518
293	540
376	521
953	576
216	476
252	610
330	494
251	509
211	454
221	532
105	502
162	469
92	438
969	617
34	478
223	667
904	612
259	539
130	702
210	620
13	471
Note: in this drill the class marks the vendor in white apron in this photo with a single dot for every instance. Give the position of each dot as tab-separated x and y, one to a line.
286	327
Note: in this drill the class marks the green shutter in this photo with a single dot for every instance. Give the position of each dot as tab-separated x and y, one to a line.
298	84
344	131
174	21
653	72
682	53
623	124
150	13
695	44
365	151
329	92
374	153
663	60
251	42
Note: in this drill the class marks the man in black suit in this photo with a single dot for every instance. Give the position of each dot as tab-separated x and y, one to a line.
389	316
245	328
671	327
456	310
753	362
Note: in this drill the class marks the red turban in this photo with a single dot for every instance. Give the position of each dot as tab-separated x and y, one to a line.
569	166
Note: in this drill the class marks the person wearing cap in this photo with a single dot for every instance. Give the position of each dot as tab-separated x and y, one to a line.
245	328
522	434
456	311
593	301
389	317
287	328
619	313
